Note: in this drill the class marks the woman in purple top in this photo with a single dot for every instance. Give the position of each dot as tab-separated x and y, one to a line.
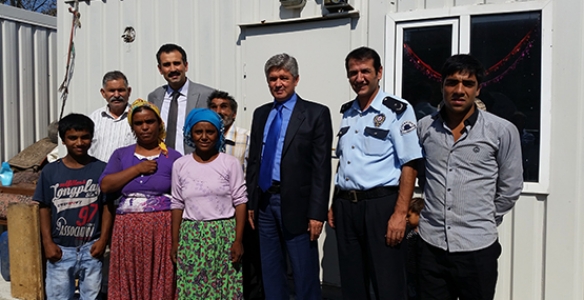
208	213
140	264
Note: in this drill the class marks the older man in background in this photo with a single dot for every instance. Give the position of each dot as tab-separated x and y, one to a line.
112	130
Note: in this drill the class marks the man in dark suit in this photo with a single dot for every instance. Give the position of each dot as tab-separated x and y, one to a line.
177	98
288	181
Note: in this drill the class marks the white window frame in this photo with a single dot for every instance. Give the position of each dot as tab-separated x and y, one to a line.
461	15
399	50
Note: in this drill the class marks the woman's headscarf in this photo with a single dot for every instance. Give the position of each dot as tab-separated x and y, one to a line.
203	115
161	131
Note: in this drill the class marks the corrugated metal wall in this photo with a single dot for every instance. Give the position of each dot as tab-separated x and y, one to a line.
28	83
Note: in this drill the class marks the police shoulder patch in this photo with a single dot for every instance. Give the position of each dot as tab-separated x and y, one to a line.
407	126
346	106
397	106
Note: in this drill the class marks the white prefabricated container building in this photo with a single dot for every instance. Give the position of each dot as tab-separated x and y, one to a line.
533	50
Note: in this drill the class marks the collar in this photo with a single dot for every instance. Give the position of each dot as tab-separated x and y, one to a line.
470	121
375	104
288	104
230	135
105	112
184	90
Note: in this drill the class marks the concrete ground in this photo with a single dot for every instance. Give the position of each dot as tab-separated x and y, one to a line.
5	290
328	292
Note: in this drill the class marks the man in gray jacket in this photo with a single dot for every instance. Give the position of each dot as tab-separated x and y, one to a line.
177	98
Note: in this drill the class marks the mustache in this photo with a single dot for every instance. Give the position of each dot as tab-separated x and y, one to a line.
174	74
119	98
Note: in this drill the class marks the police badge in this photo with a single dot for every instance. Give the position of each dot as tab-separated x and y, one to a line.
407	126
378	120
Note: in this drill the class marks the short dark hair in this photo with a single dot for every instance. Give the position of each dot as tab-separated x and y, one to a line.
225	96
76	122
114	75
364	53
464	63
167	48
416	205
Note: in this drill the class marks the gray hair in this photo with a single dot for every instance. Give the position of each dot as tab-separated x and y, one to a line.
282	61
114	75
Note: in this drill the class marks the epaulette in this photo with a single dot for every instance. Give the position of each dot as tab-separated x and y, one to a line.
346	106
397	106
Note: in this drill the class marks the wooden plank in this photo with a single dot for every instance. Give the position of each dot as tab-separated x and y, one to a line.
26	189
24	244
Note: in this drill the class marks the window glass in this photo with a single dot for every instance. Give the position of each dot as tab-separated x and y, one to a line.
425	50
509	46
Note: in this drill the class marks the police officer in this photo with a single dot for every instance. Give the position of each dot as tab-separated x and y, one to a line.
377	150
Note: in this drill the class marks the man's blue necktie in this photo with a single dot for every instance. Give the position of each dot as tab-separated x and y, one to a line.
270	147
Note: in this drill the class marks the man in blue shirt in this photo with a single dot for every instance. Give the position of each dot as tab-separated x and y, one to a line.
288	181
377	149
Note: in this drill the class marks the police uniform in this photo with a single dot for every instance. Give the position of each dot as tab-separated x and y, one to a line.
372	147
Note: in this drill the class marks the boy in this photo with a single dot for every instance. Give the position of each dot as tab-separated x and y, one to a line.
412	237
75	223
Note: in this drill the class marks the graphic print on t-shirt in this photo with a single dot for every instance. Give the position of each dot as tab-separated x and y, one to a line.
77	210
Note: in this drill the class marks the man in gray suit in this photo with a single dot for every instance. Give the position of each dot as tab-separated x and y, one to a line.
177	98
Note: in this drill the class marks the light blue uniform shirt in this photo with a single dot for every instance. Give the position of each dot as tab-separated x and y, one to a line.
286	113
374	144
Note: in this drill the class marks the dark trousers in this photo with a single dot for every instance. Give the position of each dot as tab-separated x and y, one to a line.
364	256
302	252
253	288
464	275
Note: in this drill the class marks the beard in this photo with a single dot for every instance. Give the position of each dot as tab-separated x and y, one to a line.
227	121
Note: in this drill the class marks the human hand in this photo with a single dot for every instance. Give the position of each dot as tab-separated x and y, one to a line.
396	227
236	252
331	218
98	249
315	228
147	167
174	252
250	218
53	252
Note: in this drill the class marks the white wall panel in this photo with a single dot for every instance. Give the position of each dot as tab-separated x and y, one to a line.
320	58
207	30
407	5
25	81
467	2
248	11
433	4
42	77
10	130
528	248
504	284
26	86
52	80
268	10
564	211
543	239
